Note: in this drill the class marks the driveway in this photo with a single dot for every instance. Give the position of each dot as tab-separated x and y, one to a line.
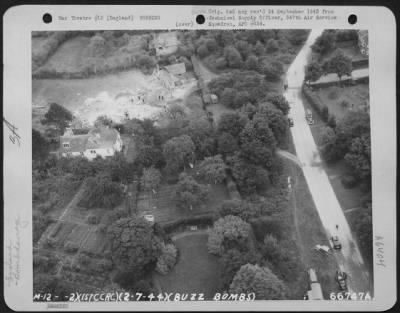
329	209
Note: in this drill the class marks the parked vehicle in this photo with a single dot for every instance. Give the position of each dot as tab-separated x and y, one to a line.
315	291
309	117
323	249
148	217
341	279
336	243
290	120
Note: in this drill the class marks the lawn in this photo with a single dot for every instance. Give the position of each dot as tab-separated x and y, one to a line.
197	271
333	97
162	204
70	55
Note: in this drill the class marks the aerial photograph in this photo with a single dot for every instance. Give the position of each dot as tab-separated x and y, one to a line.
181	165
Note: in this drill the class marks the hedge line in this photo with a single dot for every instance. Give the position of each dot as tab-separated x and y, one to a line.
200	220
321	108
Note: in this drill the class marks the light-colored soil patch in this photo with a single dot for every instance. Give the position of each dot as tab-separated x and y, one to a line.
114	95
197	271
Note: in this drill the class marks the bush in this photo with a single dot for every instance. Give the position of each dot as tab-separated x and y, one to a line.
200	220
71	247
316	104
92	219
167	259
349	181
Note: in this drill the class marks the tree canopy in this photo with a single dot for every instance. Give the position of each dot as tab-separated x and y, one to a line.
260	280
229	232
190	193
133	243
178	152
213	169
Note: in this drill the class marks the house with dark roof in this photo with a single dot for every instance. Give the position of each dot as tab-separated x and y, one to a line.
99	141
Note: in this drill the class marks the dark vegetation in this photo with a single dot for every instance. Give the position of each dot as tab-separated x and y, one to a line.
337	62
241	145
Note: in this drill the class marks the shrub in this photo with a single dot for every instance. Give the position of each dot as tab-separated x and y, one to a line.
167	259
93	219
349	181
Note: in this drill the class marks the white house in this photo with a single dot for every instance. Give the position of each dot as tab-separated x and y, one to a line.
99	141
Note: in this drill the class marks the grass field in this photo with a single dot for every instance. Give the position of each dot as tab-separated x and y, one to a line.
70	55
334	96
197	271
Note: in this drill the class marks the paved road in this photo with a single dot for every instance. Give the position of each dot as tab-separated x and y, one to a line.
329	209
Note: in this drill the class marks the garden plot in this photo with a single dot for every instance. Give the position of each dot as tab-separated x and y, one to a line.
96	244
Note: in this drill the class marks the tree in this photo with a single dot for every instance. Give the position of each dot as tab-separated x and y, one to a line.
231	262
228	96
272	70
213	169
328	144
98	46
227	144
178	151
244	209
40	147
313	71
133	244
148	155
259	129
241	98
201	132
202	51
353	124
249	110
227	233
340	64
151	179
275	120
103	120
243	48
325	42
146	63
259	49
297	36
176	111
252	62
233	57
100	191
245	174
189	193
359	156
58	115
279	102
260	280
272	46
167	258
232	123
